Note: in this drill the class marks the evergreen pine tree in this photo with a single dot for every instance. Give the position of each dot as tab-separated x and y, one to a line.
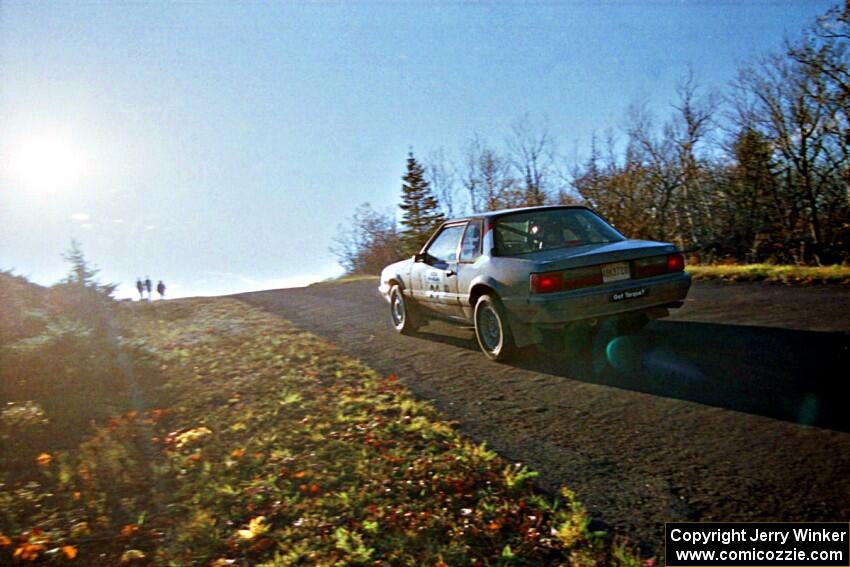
421	210
81	296
82	273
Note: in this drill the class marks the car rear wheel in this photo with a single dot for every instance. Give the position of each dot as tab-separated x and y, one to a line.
403	313
492	330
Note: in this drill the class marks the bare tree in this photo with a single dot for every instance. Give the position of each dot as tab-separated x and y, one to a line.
531	149
367	242
690	125
620	189
486	177
788	107
658	156
442	176
775	186
824	51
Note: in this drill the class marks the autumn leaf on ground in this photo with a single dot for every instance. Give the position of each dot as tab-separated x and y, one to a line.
305	457
191	436
257	526
132	556
29	551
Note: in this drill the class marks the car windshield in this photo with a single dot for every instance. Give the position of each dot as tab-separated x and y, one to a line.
548	229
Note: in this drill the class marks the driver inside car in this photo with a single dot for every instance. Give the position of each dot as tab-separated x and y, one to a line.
546	234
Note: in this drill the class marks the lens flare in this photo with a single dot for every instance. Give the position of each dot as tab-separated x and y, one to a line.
48	163
808	412
622	353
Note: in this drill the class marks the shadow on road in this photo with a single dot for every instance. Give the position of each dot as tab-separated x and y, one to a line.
797	376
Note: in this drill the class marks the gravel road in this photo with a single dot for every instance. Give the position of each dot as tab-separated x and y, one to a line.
733	409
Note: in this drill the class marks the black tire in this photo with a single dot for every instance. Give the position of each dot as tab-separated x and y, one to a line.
404	316
492	330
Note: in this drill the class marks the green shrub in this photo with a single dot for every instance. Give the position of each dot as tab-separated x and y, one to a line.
63	365
76	374
22	311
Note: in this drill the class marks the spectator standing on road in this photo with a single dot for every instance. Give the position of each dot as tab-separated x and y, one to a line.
149	287
160	289
141	287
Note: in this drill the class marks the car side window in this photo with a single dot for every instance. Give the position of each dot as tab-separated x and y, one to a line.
444	247
470	247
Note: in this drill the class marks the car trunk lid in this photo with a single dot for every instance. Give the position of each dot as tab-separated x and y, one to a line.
595	254
597	264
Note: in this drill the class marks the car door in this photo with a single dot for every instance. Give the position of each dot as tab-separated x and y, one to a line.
468	266
435	276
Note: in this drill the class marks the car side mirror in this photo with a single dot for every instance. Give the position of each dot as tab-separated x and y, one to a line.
421	257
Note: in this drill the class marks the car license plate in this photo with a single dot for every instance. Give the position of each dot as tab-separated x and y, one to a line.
628	294
615	272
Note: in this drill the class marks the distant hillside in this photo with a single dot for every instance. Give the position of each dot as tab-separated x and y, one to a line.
22	307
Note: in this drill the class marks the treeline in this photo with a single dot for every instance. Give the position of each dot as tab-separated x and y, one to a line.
758	172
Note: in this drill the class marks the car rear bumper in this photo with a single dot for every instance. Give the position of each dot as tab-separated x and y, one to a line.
634	295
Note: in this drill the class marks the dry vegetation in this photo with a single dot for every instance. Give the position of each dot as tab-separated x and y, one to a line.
799	275
235	438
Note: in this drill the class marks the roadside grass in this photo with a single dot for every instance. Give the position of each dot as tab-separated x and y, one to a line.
268	446
801	275
791	275
346	279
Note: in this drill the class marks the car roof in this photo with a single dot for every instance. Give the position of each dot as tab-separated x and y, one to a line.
493	214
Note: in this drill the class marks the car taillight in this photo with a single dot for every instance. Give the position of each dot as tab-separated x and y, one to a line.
575	278
652	266
675	262
659	265
547	283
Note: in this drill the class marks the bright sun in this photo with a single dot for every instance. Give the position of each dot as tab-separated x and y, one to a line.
47	163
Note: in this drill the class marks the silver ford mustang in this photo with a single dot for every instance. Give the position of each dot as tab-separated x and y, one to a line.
521	275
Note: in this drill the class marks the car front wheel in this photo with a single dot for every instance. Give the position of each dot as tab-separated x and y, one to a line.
403	314
491	329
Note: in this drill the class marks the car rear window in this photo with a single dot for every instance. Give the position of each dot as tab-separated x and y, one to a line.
548	229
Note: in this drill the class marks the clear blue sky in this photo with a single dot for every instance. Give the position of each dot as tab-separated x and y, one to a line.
217	145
